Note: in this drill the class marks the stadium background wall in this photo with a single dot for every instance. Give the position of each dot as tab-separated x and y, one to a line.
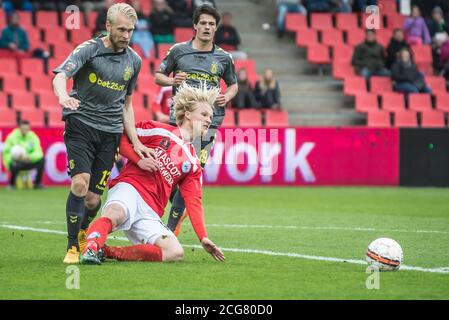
301	157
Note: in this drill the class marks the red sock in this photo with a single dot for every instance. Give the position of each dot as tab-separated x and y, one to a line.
99	230
140	252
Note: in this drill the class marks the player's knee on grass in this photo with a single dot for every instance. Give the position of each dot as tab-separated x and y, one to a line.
172	250
80	184
115	213
92	200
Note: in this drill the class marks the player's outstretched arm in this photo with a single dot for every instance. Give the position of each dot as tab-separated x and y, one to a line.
127	151
212	249
60	90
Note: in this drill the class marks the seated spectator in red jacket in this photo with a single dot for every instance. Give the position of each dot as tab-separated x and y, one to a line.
162	22
406	75
245	96
267	91
227	37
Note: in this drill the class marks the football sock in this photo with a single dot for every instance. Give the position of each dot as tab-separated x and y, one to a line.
89	216
140	252
99	230
74	216
176	211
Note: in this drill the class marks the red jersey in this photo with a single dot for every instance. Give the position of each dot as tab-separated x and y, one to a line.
178	165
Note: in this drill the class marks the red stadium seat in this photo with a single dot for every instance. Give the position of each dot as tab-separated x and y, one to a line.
35	39
342	53
387	6
395	21
31	67
145	82
248	64
3	101
62	50
47	19
366	103
79	36
26	18
8	67
422	53
23	101
354	85
183	34
379	85
393	101
138	101
229	119
13	83
342	70
41	83
442	102
383	36
355	37
306	37
379	119
48	101
276	118
432	119
55	35
346	21
55	119
332	37
8	118
146	7
163	49
249	118
35	117
318	54
420	101
405	118
437	84
91	19
321	21
143	115
295	21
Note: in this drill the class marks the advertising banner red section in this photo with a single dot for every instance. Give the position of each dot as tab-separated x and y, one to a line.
288	156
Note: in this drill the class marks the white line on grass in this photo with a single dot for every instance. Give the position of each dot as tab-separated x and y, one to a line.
264	226
264	252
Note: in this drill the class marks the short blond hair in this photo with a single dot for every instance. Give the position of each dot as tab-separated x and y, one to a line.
187	96
121	8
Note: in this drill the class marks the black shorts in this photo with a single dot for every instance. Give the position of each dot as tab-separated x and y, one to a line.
90	151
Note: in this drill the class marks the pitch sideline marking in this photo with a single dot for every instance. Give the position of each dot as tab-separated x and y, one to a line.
264	252
263	226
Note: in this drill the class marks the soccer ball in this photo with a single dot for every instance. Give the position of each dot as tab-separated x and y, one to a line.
17	152
385	254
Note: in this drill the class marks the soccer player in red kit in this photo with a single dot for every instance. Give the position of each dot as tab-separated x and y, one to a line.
138	196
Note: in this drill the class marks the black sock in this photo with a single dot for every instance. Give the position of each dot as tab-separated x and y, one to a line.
176	211
89	215
74	215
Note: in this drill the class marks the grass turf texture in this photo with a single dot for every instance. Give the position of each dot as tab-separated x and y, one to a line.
31	262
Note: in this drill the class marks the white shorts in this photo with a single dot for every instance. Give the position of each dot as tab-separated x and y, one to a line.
142	224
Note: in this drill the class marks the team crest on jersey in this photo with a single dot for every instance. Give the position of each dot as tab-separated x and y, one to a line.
186	166
165	143
128	73
214	67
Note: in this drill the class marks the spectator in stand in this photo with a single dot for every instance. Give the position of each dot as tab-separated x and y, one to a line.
437	24
267	91
162	22
142	36
415	28
369	57
23	152
100	23
13	5
199	3
161	106
287	6
341	5
245	97
406	76
444	60
318	5
182	12
360	5
227	37
397	42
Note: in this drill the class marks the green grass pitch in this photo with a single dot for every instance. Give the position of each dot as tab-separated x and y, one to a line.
285	232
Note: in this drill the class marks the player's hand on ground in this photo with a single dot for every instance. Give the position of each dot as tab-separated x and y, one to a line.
148	164
212	249
221	101
179	78
69	103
